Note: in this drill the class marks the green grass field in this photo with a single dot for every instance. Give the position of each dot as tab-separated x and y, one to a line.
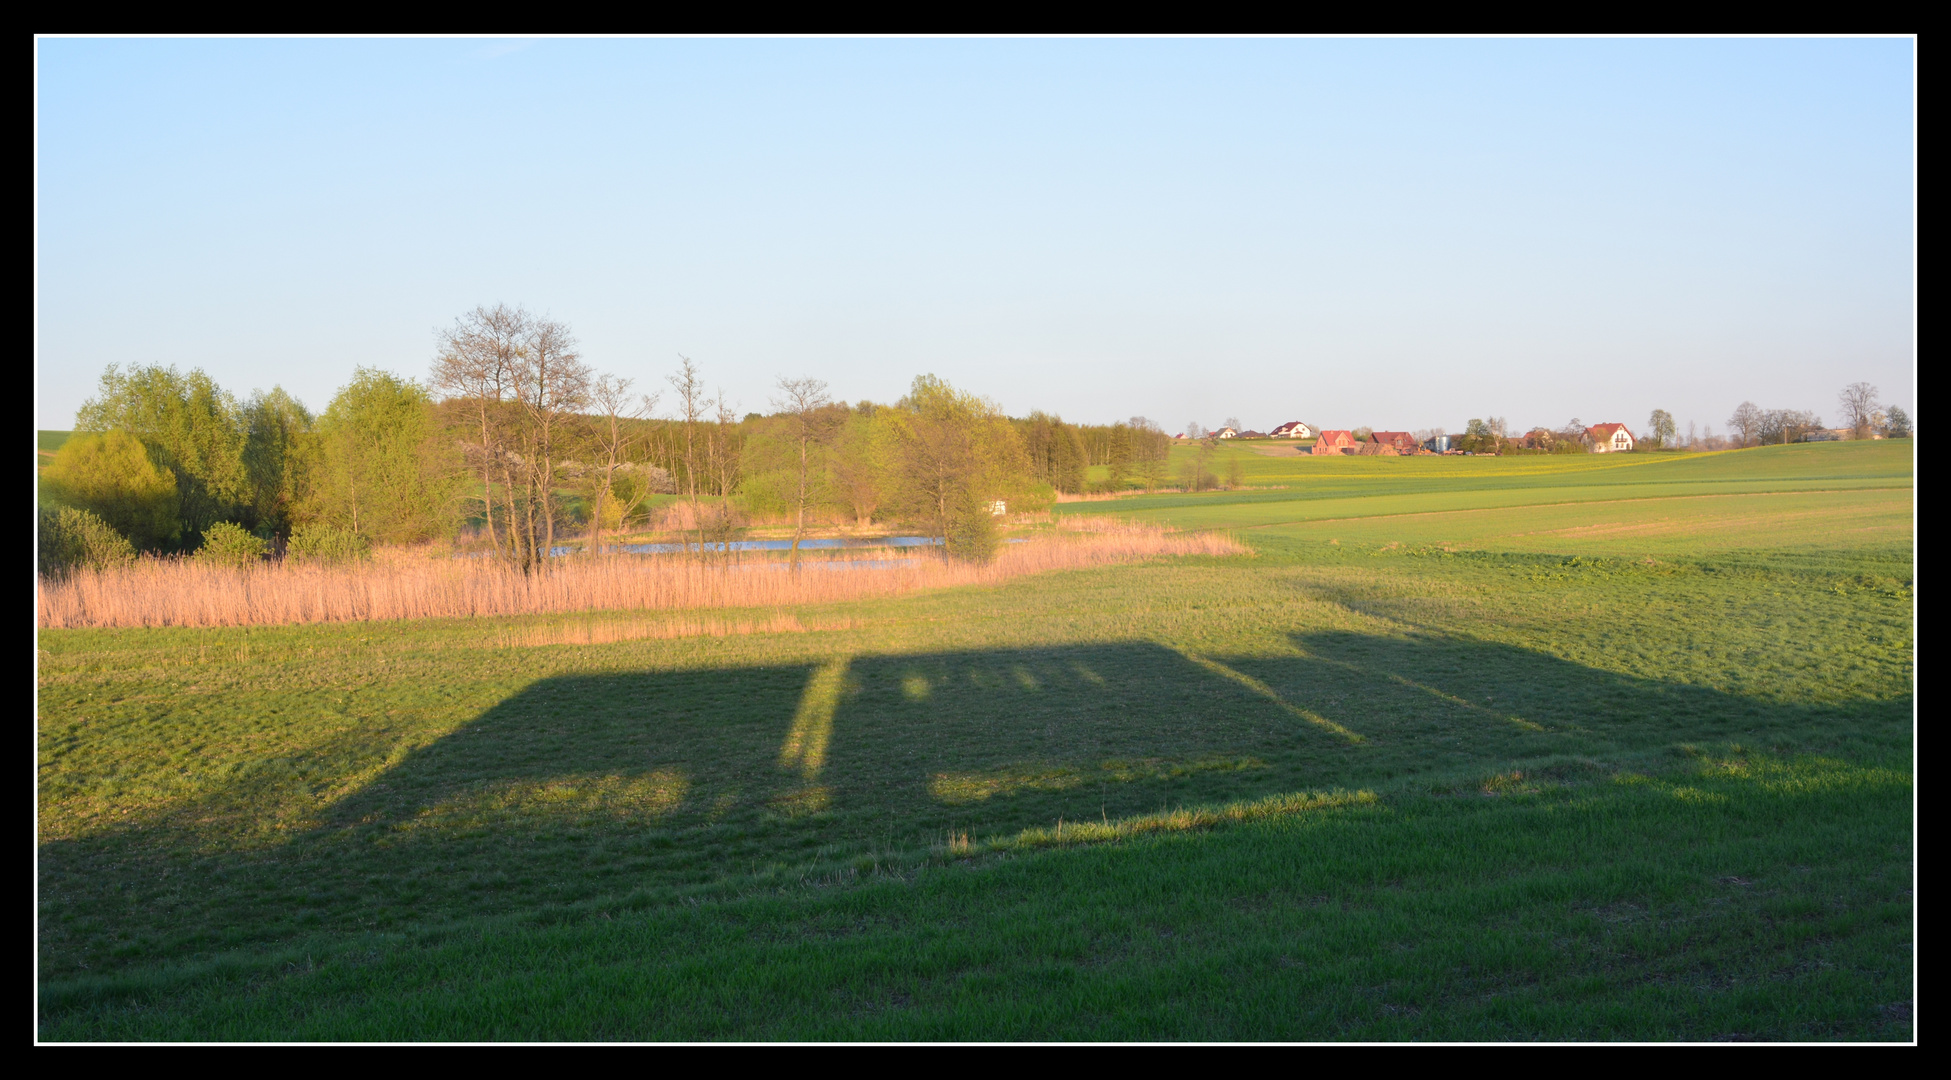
1533	748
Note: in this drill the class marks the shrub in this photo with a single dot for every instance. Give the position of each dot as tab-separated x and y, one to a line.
71	539
972	536
225	544
1037	499
109	474
327	544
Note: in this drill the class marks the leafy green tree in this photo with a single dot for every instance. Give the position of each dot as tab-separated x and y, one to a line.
1896	423
279	448
953	452
858	468
110	475
1660	430
381	471
1117	463
71	539
189	426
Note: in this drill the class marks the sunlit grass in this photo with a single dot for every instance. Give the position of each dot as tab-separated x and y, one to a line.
1391	787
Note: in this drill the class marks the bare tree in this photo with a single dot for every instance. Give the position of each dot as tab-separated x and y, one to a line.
475	369
805	402
1859	402
722	453
691	403
1748	419
610	395
553	387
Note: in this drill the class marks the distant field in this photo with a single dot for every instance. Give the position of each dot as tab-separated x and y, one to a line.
47	442
1596	748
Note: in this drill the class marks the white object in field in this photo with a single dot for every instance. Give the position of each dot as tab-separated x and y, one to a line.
998	508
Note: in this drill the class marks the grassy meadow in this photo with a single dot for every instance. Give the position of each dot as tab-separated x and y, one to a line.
1594	747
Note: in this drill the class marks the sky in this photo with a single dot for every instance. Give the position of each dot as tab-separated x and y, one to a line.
1401	233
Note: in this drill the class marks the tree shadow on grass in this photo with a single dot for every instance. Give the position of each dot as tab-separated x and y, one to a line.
641	785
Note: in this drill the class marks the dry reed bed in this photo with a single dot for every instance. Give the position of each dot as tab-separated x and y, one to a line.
174	592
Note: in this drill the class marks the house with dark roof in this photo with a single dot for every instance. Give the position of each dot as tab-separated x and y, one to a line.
1292	429
1403	442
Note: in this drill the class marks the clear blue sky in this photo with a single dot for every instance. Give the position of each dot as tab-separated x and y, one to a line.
1402	233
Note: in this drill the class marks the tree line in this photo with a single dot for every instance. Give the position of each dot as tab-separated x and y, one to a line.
516	444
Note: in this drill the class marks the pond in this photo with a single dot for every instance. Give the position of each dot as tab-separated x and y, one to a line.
808	544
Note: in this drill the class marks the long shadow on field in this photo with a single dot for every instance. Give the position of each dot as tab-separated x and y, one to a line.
608	785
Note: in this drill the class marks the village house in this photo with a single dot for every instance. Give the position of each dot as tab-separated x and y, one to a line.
1253	434
1402	441
1609	438
1292	429
1335	442
1226	433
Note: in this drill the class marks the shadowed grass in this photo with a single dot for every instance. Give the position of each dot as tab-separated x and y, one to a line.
1370	789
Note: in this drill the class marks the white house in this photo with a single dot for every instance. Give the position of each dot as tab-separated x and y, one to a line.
1608	438
1226	433
1293	429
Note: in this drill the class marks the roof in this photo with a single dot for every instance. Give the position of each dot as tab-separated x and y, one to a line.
1604	431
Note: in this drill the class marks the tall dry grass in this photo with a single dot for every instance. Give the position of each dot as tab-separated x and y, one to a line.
176	592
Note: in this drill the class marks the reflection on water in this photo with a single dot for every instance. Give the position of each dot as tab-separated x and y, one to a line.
810	544
821	544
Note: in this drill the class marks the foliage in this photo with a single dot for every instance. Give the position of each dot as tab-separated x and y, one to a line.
190	427
322	543
380	471
1896	423
110	475
72	538
953	452
225	544
1660	431
1058	456
972	536
279	448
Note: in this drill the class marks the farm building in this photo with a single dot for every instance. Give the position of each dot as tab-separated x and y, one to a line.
1292	429
1403	442
1438	444
1608	438
1373	448
1335	442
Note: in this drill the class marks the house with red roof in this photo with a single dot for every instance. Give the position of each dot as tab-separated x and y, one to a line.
1335	442
1609	438
1403	442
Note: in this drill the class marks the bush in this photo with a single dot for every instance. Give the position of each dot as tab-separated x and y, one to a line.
1037	499
327	544
71	539
225	544
109	474
972	535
